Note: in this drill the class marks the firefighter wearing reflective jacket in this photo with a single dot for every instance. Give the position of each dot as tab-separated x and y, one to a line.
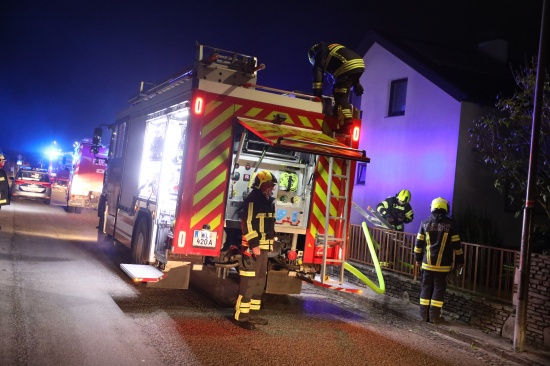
397	209
345	67
436	242
258	229
4	184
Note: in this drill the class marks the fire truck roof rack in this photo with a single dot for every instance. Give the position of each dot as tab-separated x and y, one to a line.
171	83
212	55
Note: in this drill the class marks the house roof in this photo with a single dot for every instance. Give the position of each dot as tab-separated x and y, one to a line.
464	74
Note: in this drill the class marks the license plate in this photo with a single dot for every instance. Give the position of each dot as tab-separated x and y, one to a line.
33	188
204	239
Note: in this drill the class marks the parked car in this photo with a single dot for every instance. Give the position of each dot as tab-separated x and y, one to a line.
32	184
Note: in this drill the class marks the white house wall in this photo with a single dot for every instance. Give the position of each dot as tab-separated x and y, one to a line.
416	151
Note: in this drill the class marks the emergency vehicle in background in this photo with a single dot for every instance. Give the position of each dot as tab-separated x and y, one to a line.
184	154
60	169
86	178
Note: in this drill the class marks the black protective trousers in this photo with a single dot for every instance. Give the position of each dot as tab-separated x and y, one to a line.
251	288
432	293
341	92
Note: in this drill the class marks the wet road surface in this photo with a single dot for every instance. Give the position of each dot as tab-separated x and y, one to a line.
65	301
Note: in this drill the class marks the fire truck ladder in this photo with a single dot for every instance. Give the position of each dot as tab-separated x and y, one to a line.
338	221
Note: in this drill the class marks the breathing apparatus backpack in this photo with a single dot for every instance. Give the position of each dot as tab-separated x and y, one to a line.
288	182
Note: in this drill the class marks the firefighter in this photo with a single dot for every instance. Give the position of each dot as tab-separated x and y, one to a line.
345	67
4	183
258	234
436	242
397	209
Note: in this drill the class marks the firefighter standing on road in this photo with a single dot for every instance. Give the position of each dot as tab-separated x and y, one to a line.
397	209
345	67
258	229
4	183
436	242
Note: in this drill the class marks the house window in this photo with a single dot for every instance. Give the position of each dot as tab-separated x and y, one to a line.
398	97
361	174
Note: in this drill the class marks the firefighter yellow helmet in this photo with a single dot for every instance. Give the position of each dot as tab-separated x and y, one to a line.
404	195
264	177
313	52
439	204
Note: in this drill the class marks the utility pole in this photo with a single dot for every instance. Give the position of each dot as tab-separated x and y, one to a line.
525	255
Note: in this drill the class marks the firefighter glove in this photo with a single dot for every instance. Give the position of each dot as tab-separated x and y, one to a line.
358	89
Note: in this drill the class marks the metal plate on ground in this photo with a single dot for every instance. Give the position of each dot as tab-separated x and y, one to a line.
142	272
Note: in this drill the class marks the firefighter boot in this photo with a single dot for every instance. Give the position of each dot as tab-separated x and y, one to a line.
424	313
435	315
345	128
246	324
257	320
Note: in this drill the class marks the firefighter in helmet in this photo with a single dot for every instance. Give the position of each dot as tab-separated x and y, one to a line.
258	234
4	183
397	209
436	243
345	67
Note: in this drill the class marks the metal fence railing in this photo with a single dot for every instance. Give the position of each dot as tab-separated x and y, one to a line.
488	271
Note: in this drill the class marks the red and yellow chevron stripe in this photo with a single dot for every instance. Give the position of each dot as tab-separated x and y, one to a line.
208	163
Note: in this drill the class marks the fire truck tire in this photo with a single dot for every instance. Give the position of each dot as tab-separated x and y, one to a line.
70	209
139	242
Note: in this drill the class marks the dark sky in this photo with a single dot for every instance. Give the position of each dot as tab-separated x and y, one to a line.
68	66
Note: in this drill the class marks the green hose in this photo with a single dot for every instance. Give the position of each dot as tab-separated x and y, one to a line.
360	275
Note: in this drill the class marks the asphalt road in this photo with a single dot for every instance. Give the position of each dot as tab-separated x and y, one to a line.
65	301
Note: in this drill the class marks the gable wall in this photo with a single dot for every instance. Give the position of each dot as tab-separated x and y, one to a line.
416	151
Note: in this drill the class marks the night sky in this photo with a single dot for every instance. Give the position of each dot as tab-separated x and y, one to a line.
68	66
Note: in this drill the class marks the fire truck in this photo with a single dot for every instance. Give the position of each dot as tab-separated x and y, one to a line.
86	178
183	156
60	169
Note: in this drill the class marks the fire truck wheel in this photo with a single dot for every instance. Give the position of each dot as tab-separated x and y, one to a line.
70	209
139	243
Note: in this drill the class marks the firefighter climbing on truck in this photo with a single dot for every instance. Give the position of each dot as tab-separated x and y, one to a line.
345	67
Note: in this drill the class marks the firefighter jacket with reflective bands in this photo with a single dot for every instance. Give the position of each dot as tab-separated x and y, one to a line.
396	213
436	242
337	61
4	189
258	221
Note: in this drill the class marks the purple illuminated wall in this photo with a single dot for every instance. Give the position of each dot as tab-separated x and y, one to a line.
426	150
417	151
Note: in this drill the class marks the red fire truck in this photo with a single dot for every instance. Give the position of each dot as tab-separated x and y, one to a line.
86	178
184	153
60	169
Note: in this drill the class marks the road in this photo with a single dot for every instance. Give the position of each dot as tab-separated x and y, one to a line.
65	301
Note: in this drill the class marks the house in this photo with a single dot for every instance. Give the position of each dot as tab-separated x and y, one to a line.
420	100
